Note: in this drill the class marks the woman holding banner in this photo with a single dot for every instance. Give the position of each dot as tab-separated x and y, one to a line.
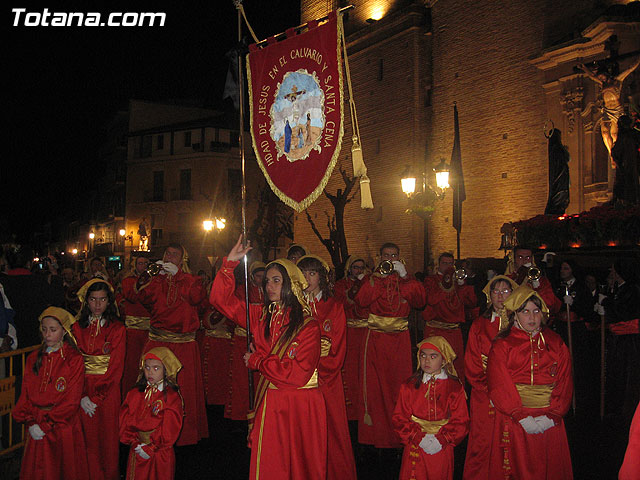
288	434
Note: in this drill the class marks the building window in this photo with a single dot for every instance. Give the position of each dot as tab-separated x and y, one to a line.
158	186
234	139
146	146
160	142
185	184
235	186
381	70
187	139
156	236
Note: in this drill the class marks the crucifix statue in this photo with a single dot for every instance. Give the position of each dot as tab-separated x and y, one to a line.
606	74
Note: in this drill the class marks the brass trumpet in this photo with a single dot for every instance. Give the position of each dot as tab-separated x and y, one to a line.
154	269
533	274
385	267
460	274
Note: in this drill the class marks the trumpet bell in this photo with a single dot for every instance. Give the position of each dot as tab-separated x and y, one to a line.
154	269
461	274
386	267
533	274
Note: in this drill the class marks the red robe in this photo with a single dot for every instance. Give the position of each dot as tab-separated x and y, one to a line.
630	469
101	430
162	415
289	436
514	452
356	333
386	360
136	337
214	340
173	302
437	399
51	399
447	307
237	398
481	335
330	315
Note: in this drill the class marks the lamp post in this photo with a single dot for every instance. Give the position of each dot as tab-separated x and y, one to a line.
422	203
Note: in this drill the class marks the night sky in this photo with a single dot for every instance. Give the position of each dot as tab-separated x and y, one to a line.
65	83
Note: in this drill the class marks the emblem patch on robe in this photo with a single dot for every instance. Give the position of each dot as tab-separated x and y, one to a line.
293	351
106	348
156	407
553	369
326	326
61	384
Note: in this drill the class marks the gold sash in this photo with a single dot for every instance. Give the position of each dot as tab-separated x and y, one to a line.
218	333
535	396
44	409
430	426
145	437
378	323
170	337
137	323
96	364
357	322
312	383
325	346
239	331
442	325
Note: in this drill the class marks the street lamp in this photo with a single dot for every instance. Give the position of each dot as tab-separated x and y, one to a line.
221	223
92	236
122	232
74	251
422	203
207	225
218	223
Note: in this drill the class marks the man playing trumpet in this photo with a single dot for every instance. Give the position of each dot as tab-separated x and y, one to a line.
389	297
447	297
523	270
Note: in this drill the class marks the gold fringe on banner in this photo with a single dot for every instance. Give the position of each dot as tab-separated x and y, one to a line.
359	168
300	206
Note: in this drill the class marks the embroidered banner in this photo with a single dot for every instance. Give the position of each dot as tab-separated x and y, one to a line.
296	98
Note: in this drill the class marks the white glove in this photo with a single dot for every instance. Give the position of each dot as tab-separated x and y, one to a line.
568	299
544	422
36	432
432	445
426	441
535	284
141	452
399	267
170	268
530	425
88	406
360	277
599	309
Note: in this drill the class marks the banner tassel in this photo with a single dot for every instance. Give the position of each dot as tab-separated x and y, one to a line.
359	168
366	202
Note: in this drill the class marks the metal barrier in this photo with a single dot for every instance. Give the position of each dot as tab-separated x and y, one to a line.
8	394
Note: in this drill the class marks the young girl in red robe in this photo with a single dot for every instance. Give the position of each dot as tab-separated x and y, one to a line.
48	405
288	437
329	313
484	330
151	417
101	339
431	415
529	379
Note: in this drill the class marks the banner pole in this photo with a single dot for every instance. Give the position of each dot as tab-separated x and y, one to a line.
244	192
